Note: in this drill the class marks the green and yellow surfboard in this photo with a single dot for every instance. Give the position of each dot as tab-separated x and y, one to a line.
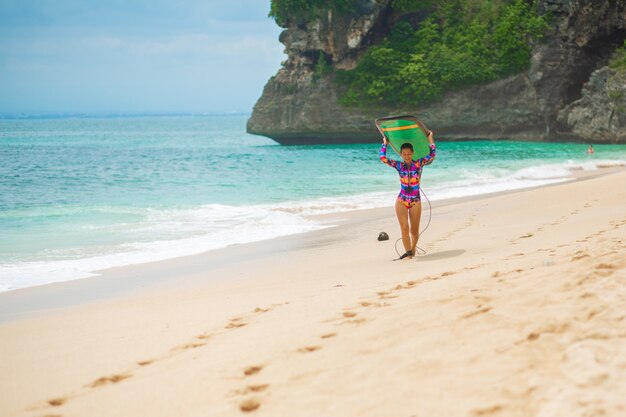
405	129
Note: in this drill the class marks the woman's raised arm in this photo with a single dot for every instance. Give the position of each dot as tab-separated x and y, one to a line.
428	159
383	155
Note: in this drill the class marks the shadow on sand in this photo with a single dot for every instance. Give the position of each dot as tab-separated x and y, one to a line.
442	255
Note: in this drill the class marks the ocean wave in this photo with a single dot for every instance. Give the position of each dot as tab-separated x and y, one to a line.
206	228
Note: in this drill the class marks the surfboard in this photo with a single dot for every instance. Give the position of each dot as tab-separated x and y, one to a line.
405	129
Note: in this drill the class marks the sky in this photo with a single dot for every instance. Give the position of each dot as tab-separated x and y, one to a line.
137	56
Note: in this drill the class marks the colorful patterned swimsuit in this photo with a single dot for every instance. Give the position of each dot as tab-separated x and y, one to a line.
409	175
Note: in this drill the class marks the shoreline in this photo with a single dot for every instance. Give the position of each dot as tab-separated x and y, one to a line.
516	309
114	282
52	245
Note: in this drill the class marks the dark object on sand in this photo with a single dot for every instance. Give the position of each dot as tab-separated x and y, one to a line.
383	236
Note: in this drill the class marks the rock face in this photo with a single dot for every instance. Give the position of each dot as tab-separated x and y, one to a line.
600	114
558	98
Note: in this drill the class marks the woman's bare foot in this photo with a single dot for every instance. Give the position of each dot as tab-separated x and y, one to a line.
407	255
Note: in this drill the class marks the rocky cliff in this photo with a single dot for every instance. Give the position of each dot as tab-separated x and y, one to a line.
567	94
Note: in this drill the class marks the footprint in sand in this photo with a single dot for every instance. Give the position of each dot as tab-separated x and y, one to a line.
580	256
252	388
308	349
261	310
279	304
373	304
554	328
257	387
145	363
349	314
57	402
250	404
252	370
383	295
234	324
408	285
113	379
495	409
328	335
436	278
604	269
186	346
533	336
469	268
477	312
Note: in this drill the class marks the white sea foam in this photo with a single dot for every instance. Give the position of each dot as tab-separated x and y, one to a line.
497	180
542	172
208	227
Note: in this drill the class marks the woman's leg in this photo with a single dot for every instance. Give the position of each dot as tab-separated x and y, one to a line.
403	219
415	214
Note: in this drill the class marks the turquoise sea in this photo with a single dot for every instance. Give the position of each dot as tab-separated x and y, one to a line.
82	194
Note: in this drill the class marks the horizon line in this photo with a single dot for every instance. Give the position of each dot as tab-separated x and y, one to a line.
105	115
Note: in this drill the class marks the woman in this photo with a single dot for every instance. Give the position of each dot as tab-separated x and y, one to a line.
408	203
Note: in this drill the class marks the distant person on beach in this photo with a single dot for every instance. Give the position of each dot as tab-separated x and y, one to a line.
408	203
590	149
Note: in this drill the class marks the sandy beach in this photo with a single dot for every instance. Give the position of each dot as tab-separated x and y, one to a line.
516	309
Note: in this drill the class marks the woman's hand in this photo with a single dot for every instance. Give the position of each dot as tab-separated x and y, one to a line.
431	140
385	141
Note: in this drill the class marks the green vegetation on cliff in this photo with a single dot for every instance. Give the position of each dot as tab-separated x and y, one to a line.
618	61
618	65
460	43
282	10
436	46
